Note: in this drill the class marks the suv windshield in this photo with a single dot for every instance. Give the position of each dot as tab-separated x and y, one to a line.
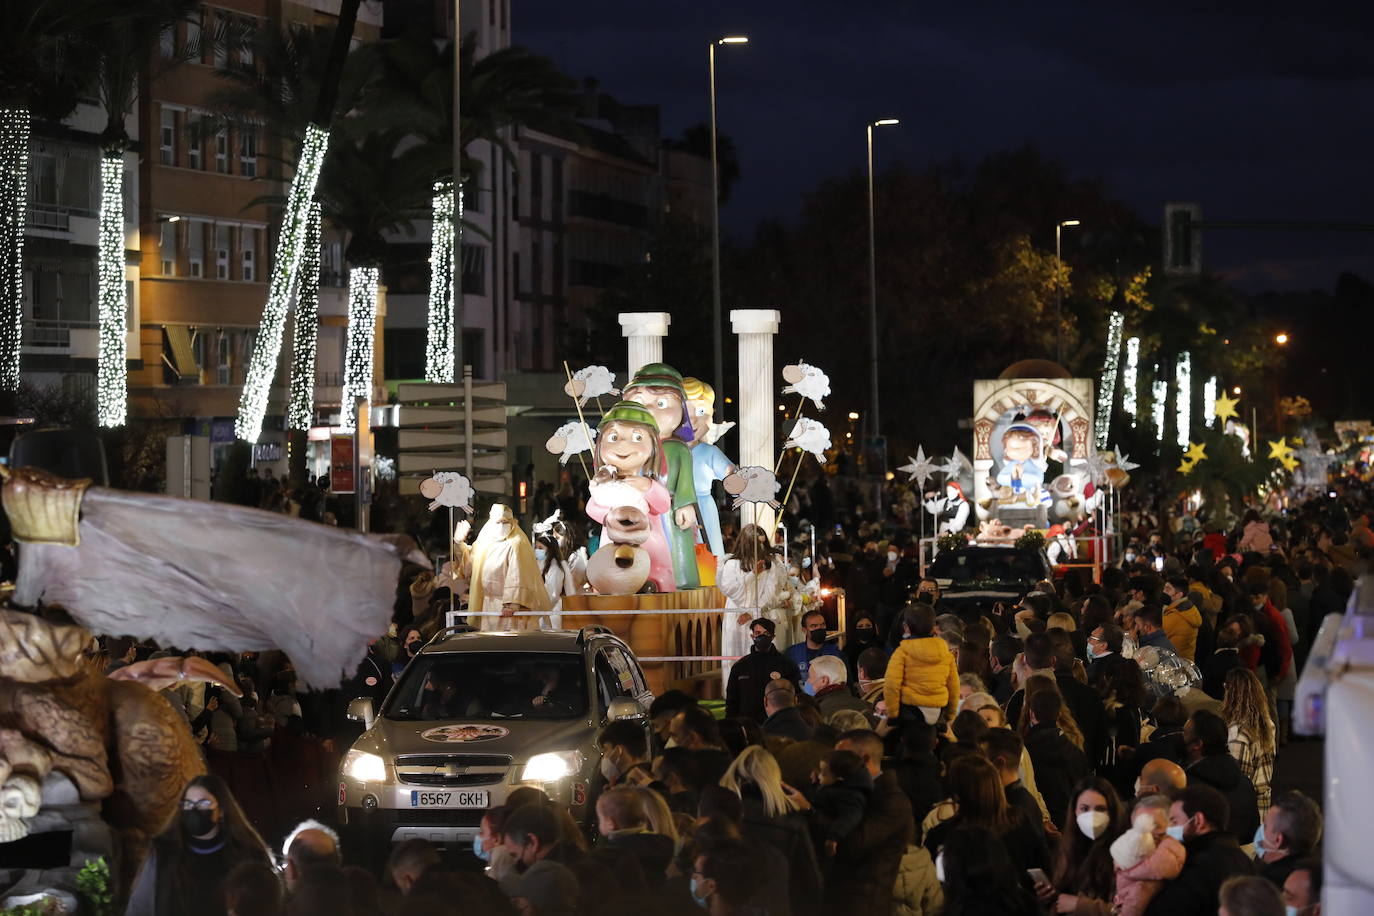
985	564
490	685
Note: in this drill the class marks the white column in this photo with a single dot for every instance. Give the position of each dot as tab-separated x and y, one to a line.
645	331
757	412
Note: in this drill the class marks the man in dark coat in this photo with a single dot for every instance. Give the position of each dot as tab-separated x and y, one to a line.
762	666
625	836
1210	763
1084	702
784	718
1058	762
1213	855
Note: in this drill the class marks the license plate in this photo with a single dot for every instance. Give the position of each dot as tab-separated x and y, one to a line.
454	799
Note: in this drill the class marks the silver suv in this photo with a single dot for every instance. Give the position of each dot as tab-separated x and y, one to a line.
477	715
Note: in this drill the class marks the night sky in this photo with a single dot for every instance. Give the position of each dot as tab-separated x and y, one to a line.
1253	114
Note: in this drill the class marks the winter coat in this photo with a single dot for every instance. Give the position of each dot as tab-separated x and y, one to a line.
836	697
1211	859
1223	773
1215	669
918	892
1137	886
921	672
787	833
1256	537
750	676
1059	764
1181	622
867	860
787	723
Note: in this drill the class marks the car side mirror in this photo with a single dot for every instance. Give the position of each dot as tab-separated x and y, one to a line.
360	710
623	708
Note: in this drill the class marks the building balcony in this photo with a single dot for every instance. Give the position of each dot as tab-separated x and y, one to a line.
77	339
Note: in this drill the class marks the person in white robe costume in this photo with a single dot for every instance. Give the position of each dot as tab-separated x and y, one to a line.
505	576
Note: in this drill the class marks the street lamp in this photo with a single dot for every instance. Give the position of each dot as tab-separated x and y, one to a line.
873	285
1280	338
1059	304
715	218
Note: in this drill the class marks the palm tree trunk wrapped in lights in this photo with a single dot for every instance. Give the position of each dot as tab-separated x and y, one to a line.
267	349
112	381
362	329
443	287
14	185
305	329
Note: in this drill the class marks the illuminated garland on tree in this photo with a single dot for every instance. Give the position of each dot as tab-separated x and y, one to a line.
14	187
362	329
267	351
1209	402
1129	379
1183	396
439	346
112	378
1159	391
300	410
1106	393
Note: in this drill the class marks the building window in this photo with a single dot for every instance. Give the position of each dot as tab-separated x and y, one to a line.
221	49
244	29
223	368
167	247
168	136
195	248
167	41
248	241
474	270
43	179
221	252
248	153
194	144
193	40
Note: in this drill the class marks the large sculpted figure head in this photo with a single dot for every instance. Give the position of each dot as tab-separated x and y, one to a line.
658	387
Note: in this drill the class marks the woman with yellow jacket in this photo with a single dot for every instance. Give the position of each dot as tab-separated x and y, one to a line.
922	677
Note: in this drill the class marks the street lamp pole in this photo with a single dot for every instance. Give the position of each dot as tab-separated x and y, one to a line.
1059	302
716	319
873	290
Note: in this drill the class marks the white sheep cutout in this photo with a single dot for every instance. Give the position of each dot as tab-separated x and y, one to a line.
590	383
752	484
809	436
808	381
570	439
447	488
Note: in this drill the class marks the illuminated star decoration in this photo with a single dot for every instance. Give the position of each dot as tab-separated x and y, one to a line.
1225	408
1186	466
1290	463
1097	468
1195	452
955	465
1125	464
1280	449
919	468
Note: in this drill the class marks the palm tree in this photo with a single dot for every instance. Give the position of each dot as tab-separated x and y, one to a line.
414	92
45	64
125	45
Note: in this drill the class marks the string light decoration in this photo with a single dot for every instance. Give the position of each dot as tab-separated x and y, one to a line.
1209	402
362	328
300	409
1159	392
112	378
14	188
1106	393
1183	396
439	345
1129	402
290	244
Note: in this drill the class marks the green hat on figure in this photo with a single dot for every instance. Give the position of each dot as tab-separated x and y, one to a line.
662	375
630	412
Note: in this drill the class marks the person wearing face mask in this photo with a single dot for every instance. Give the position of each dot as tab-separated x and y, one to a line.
1291	831
506	579
813	646
1209	762
624	754
1198	818
763	665
558	578
863	636
828	682
411	641
1302	892
1083	880
722	880
752	576
190	858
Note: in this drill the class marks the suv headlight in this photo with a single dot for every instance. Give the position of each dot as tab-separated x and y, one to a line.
364	767
551	766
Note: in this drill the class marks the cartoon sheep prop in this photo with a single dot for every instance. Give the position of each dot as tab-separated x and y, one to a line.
570	439
590	383
809	436
447	488
808	381
752	484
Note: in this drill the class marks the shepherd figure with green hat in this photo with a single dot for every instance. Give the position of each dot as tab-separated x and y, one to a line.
658	387
626	454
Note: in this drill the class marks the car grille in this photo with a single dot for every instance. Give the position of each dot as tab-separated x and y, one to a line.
452	770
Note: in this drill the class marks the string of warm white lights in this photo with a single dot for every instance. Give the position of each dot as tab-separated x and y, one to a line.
112	378
439	344
14	187
362	328
1183	397
1159	393
1130	404
1209	402
267	350
300	406
1106	393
